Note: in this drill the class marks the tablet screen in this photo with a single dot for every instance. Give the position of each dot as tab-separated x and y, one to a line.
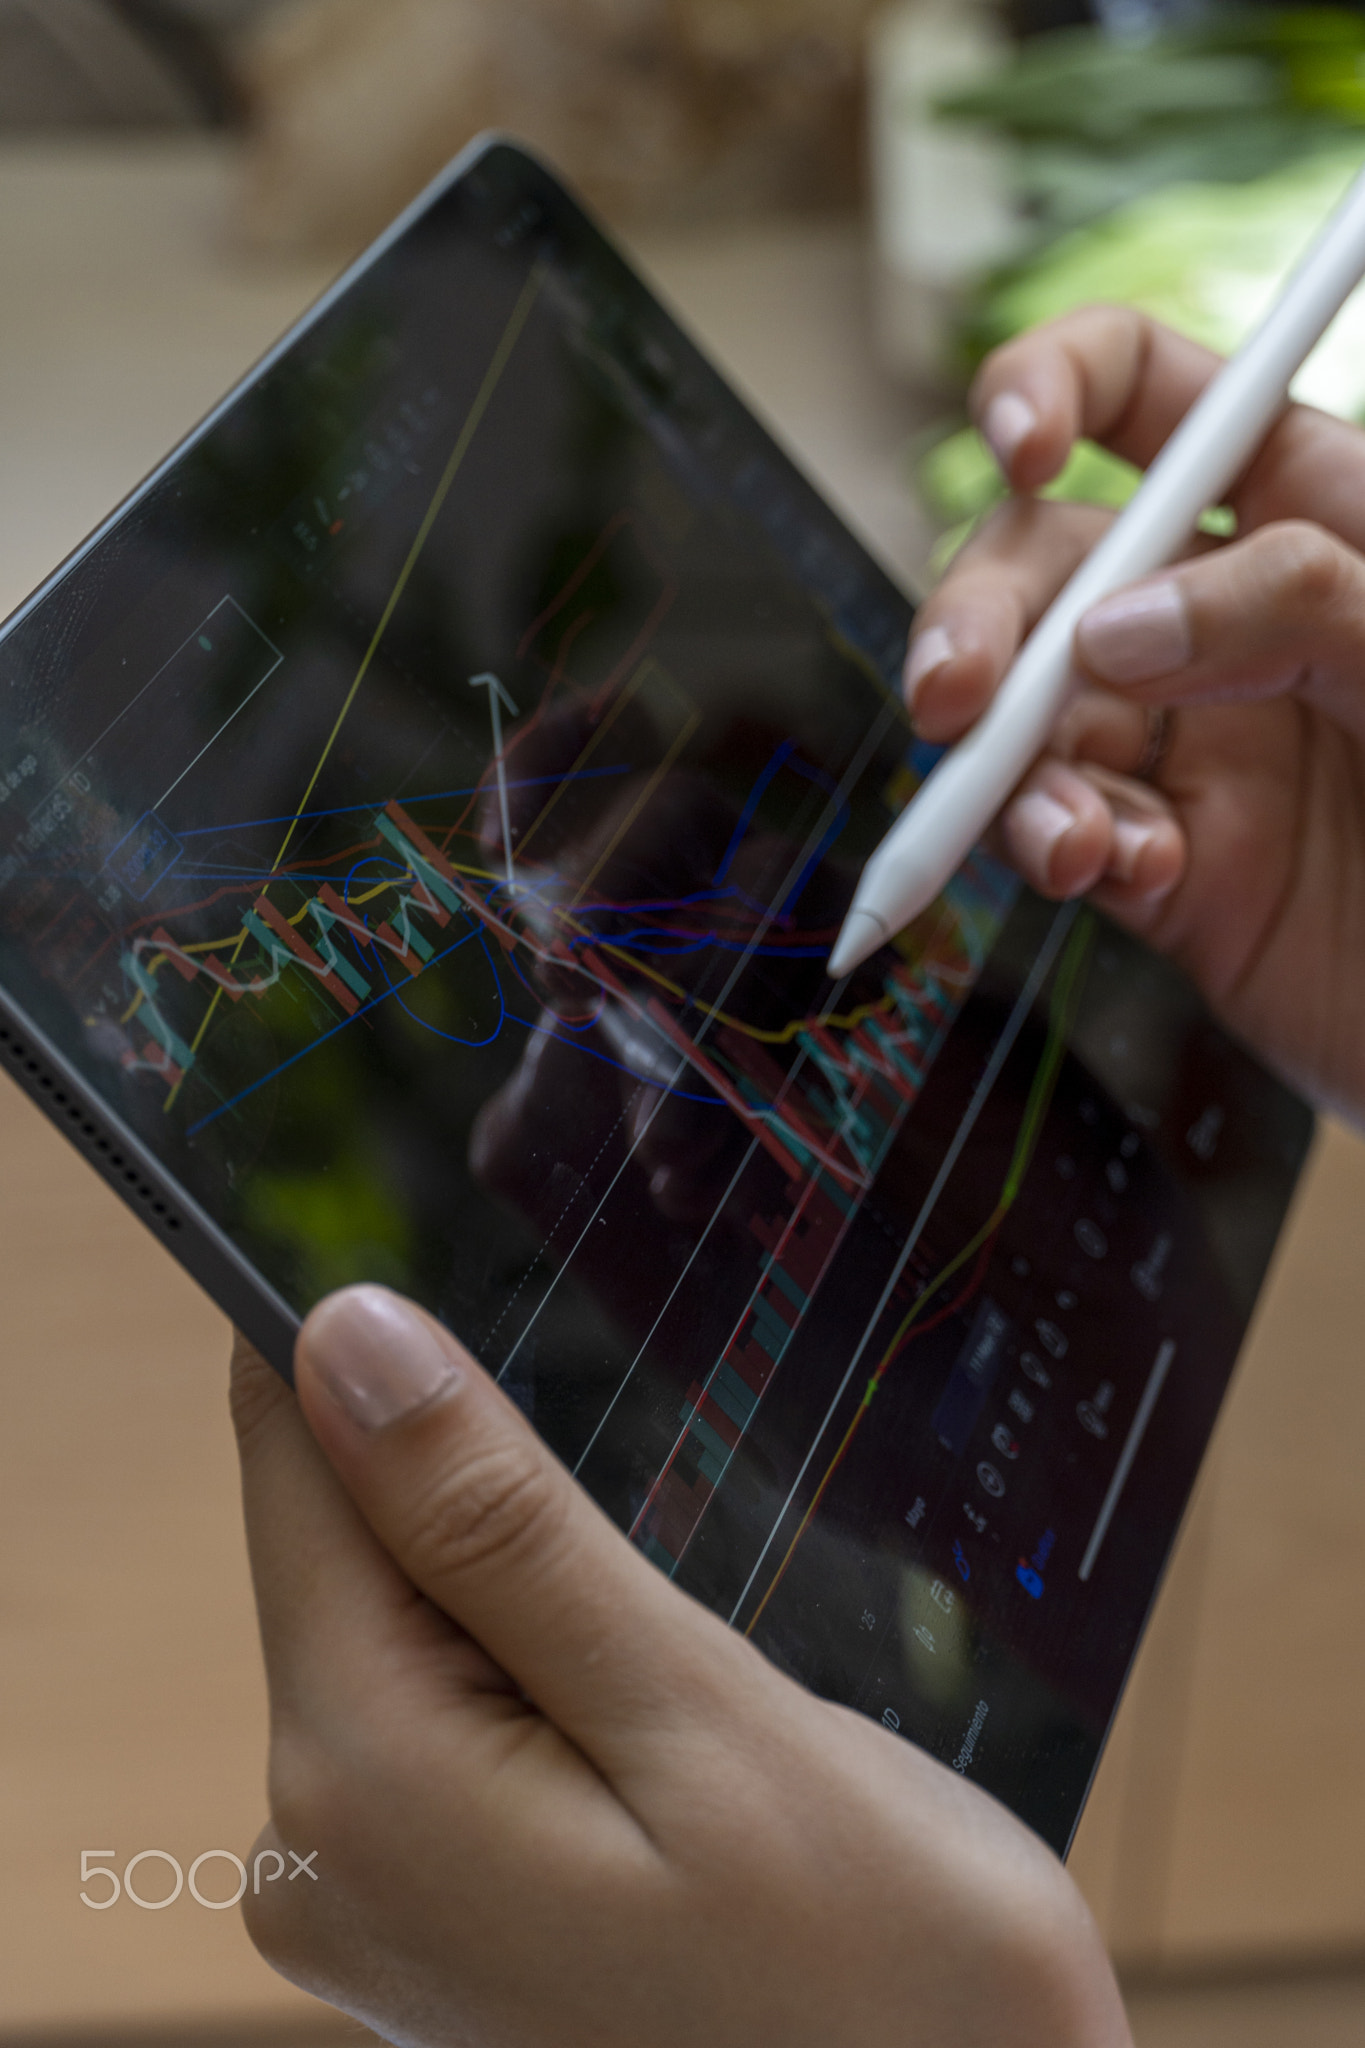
425	813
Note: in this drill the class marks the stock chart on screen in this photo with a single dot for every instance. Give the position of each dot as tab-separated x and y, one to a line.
425	816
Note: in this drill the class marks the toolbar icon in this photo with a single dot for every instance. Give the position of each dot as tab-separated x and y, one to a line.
1030	1570
990	1479
1092	1413
1051	1338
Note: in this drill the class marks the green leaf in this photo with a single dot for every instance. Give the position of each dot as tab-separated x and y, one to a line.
1206	258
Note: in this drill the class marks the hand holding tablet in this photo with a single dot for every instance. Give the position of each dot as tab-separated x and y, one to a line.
795	1772
430	804
554	1801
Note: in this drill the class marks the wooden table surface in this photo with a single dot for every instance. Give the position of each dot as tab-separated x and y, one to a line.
131	1701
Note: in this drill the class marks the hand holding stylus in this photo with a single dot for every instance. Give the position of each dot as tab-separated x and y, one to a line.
1241	850
1205	452
554	1801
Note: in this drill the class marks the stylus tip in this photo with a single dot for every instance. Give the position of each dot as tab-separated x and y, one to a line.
863	932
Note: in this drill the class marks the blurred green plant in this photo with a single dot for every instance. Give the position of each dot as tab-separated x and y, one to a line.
1097	121
1184	176
958	480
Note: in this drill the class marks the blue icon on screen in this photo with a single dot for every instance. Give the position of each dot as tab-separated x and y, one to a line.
1030	1572
144	856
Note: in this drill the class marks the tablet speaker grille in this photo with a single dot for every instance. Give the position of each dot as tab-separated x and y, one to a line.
104	1152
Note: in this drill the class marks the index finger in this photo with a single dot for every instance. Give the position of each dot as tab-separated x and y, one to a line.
1113	375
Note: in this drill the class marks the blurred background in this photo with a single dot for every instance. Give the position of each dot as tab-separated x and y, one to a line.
1014	156
849	201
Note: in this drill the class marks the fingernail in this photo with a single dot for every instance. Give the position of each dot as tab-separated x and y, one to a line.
1007	423
1137	634
932	650
377	1357
1130	843
1037	821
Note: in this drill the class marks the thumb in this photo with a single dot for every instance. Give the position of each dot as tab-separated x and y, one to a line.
1281	611
484	1519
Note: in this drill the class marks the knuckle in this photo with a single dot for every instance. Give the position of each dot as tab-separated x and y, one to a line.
1305	568
1053	1967
309	1791
499	1508
271	1930
292	1936
1035	537
1099	328
333	1786
1009	528
264	1930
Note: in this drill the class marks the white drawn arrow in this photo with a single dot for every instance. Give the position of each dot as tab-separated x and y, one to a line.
497	697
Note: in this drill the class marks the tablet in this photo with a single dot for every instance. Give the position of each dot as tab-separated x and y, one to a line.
425	811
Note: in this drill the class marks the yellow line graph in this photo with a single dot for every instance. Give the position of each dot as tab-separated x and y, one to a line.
838	1021
356	902
502	356
493	377
827	1020
1061	1015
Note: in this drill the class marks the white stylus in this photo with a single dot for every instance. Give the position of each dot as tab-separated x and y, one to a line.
1205	454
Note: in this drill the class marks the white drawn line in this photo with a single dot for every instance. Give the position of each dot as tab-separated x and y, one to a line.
1061	925
850	1219
695	1254
137	698
850	779
221	730
1151	1395
497	697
